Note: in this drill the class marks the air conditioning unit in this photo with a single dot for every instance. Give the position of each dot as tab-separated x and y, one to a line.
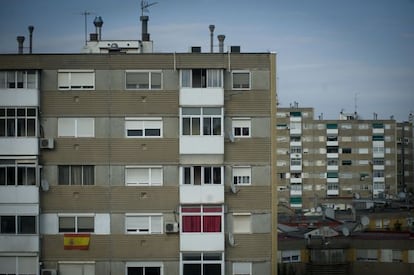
171	227
47	143
48	272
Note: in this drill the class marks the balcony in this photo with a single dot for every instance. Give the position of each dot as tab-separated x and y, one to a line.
201	96
332	192
213	145
19	243
19	97
296	180
19	146
202	241
202	194
20	194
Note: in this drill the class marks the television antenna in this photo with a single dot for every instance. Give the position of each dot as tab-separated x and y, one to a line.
85	14
145	5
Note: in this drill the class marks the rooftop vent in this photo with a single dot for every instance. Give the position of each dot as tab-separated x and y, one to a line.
235	49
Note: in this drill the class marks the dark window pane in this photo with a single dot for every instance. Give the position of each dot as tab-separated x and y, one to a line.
11	127
21	127
152	271
2	175
67	224
192	269
135	271
64	175
237	131
134	133
152	132
216	175
85	224
21	175
27	225
88	175
186	126
216	126
8	224
246	131
76	175
212	269
31	127
11	177
207	126
195	126
207	175
31	112
187	175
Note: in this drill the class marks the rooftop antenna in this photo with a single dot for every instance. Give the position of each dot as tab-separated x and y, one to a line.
145	5
145	36
85	14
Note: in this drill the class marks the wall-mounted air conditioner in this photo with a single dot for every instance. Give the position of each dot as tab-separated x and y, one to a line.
171	227
47	143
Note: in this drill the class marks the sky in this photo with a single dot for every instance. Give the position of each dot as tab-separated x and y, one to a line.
332	55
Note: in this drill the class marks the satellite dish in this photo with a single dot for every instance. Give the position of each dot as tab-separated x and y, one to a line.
357	196
234	189
364	220
231	240
319	209
231	137
345	231
44	185
313	210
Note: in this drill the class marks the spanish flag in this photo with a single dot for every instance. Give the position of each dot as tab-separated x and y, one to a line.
76	241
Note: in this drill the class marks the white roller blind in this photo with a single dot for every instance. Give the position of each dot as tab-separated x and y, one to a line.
82	79
156	224
28	265
66	127
133	124
386	255
241	268
63	80
241	123
152	124
156	176
241	171
70	269
241	223
8	265
137	175
137	223
85	127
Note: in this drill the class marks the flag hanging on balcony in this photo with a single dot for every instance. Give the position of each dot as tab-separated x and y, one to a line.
76	241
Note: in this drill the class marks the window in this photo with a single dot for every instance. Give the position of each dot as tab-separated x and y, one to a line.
143	224
377	138
242	175
332	175
241	80
332	138
241	127
76	127
204	121
378	173
378	125
11	224
346	150
18	122
76	223
197	175
331	126
143	175
18	79
76	174
202	78
362	150
346	162
76	80
332	149
150	268
363	138
332	162
197	219
378	161
295	162
143	127
367	255
202	263
13	172
289	256
242	223
242	268
143	80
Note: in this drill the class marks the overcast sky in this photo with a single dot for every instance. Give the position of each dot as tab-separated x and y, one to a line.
332	55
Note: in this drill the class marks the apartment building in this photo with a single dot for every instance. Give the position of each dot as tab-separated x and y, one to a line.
144	163
331	162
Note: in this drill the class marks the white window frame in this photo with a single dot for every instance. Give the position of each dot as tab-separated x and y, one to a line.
20	169
213	78
151	170
241	124
143	124
242	268
242	223
243	174
76	217
202	175
70	180
151	227
69	76
15	124
144	265
241	72
287	256
202	261
150	74
10	79
76	127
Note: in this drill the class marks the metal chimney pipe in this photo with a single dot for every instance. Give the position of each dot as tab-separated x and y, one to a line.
145	36
221	38
31	28
98	22
20	41
211	27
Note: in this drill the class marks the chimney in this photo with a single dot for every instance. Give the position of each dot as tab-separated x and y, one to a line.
31	28
145	36
20	41
211	27
221	38
98	22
